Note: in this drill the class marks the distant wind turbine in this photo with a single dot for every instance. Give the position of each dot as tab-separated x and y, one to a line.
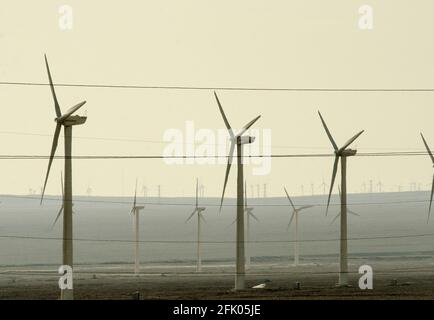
198	210
323	185
380	186
237	140
145	191
135	212
295	212
432	186
67	120
348	210
341	153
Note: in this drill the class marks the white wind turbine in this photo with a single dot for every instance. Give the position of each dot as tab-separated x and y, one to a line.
343	153
432	186
295	213
135	211
249	214
67	120
237	140
198	210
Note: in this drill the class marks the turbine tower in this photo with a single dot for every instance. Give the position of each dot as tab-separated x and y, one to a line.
432	186
295	213
198	210
237	140
343	153
67	120
249	214
135	212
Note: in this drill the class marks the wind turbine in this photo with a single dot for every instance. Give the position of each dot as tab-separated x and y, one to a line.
348	210
343	153
67	120
295	213
432	186
145	191
323	185
135	211
237	140
198	210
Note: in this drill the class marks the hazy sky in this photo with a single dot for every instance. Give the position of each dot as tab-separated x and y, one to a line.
300	44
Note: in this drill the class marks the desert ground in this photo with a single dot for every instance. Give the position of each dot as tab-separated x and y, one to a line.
392	280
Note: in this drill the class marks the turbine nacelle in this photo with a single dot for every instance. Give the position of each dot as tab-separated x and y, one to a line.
245	139
346	153
73	120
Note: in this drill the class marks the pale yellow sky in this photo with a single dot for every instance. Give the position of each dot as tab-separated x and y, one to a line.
247	43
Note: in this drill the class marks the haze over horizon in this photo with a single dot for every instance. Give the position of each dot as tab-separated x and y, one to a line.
297	44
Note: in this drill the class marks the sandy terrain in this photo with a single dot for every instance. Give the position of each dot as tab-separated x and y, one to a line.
414	280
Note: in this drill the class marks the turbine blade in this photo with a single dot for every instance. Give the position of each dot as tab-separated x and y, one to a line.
351	140
328	133
335	218
253	216
335	170
430	201
197	186
57	217
228	126
135	196
56	103
52	153
290	220
233	222
228	169
202	218
427	148
290	201
191	215
353	213
71	111
304	207
247	126
61	184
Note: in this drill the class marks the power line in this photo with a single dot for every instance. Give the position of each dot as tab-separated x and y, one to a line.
299	155
212	204
20	237
183	143
219	88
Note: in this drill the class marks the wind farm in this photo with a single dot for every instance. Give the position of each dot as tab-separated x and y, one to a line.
212	160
